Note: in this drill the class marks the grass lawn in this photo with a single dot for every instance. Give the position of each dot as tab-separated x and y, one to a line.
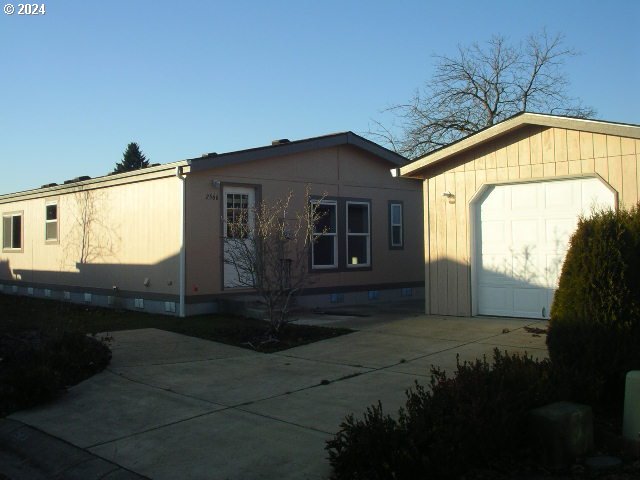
20	313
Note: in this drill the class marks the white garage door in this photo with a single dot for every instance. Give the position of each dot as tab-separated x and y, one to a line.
524	231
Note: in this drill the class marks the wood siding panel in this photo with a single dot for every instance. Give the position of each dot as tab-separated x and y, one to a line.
575	167
462	246
492	175
628	146
513	173
586	145
562	168
549	169
512	155
599	145
502	174
588	165
524	152
491	161
433	250
629	181
602	168
613	146
426	235
573	145
441	213
535	145
525	171
560	144
501	157
615	175
452	267
537	171
548	154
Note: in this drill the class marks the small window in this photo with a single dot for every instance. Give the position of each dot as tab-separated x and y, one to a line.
358	235
51	222
324	249
396	230
12	231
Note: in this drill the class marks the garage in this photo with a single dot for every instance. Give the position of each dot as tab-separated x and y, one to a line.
502	203
522	236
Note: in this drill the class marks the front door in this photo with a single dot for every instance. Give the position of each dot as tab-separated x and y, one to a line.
239	210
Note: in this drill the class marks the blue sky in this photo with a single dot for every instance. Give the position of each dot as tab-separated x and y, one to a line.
183	78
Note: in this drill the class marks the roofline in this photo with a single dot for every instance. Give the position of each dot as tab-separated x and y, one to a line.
515	122
218	160
298	146
97	182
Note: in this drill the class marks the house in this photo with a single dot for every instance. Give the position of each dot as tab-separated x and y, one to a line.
152	239
501	205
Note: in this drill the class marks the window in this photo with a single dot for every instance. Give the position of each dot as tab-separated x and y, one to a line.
396	230
324	249
51	222
237	215
358	234
12	231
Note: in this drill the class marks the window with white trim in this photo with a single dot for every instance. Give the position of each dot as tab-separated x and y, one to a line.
358	234
51	222
12	231
396	228
324	249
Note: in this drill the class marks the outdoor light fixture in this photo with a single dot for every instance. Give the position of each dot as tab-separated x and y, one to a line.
215	183
448	194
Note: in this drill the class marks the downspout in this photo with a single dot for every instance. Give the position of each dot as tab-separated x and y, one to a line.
182	260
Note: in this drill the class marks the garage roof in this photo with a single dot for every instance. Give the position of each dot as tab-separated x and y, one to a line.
418	168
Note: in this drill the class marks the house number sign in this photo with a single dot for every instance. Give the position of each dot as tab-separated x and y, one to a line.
211	196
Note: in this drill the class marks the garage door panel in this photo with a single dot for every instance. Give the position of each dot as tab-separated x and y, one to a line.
528	302
526	198
495	300
496	269
526	269
525	231
493	238
559	194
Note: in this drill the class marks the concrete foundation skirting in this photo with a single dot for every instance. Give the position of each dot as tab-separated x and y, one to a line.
155	303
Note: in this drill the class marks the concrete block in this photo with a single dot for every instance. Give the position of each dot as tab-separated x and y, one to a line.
562	432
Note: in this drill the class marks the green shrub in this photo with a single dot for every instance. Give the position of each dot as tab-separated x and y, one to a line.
594	331
470	420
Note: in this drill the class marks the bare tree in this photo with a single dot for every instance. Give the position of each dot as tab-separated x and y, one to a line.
481	86
271	253
90	237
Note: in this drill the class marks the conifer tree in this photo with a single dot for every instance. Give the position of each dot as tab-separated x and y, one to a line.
132	159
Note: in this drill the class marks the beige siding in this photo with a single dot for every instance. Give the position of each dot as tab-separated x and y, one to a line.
344	172
532	152
117	236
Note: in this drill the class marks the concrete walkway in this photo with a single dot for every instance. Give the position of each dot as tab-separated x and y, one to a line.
171	406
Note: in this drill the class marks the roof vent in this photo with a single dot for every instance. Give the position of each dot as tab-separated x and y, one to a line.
47	185
282	141
154	165
210	154
77	179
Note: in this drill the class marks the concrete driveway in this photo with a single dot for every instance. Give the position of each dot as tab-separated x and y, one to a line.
171	406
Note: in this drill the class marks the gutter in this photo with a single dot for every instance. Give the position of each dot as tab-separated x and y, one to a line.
182	275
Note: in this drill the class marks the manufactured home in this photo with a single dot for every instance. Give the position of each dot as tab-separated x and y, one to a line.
152	239
501	205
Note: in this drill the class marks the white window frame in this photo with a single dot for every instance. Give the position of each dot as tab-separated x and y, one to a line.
349	234
56	221
334	204
12	215
392	224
